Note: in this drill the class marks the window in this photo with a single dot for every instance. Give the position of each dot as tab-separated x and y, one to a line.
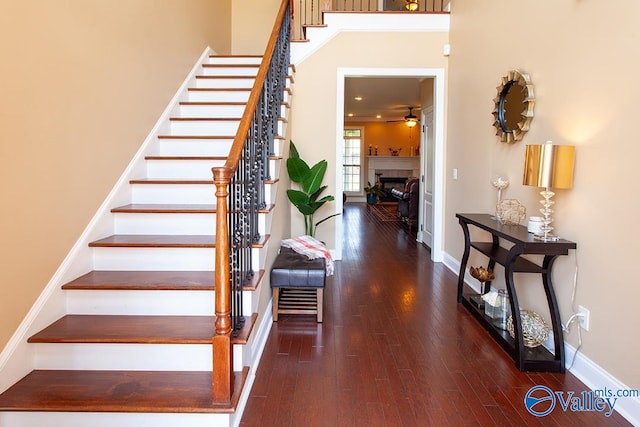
352	160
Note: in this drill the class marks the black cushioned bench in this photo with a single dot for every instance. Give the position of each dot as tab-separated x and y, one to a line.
297	284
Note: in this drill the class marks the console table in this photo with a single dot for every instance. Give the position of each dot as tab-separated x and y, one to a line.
518	242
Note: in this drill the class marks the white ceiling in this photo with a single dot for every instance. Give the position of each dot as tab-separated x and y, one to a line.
388	97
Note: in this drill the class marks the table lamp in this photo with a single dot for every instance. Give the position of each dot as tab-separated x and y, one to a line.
548	166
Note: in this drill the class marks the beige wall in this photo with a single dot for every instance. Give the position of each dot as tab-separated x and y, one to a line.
83	82
315	127
582	59
252	23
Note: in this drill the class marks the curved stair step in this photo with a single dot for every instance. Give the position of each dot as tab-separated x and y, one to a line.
151	280
118	391
136	329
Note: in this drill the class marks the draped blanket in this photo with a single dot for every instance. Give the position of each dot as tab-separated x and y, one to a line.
312	249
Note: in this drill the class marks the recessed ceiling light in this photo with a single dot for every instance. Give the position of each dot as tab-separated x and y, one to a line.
358	98
378	116
350	114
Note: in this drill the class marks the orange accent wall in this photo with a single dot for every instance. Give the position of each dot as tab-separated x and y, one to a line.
388	136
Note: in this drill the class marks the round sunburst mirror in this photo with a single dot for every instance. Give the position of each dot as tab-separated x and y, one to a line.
513	107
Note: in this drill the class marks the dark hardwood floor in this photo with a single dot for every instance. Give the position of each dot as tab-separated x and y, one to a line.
395	350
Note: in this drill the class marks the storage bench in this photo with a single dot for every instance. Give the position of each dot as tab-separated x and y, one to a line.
297	284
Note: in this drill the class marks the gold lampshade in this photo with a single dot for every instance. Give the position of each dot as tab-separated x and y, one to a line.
411	5
549	166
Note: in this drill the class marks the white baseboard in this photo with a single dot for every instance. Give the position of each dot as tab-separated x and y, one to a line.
258	347
586	370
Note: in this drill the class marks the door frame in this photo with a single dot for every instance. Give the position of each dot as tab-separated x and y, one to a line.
437	74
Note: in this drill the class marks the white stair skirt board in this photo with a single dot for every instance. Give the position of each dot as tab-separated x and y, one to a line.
19	357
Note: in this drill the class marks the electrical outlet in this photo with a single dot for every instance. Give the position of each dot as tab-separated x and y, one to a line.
583	317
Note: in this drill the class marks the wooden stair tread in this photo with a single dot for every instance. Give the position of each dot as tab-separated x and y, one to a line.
229	76
205	119
118	391
162	241
171	208
185	158
130	329
165	208
144	280
171	181
207	137
219	103
152	181
218	89
156	241
152	280
231	65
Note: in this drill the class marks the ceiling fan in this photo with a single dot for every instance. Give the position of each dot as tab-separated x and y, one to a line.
410	119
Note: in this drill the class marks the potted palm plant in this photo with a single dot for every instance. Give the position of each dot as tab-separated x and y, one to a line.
373	192
309	179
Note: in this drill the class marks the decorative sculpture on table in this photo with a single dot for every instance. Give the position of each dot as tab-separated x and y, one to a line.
500	183
483	276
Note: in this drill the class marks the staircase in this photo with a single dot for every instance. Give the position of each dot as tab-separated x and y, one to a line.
135	344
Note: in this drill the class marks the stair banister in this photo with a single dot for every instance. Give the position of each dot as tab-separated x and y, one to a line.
240	194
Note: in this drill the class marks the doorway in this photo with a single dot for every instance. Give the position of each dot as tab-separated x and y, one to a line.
432	165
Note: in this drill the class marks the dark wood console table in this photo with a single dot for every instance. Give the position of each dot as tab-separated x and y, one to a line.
526	359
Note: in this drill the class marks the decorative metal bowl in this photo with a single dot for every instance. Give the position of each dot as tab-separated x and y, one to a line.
510	212
535	330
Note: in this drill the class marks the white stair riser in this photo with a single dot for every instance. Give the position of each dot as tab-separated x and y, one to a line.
128	302
232	111
224	83
111	356
185	193
171	223
204	127
179	259
111	419
219	96
186	169
222	95
150	303
134	357
230	71
211	127
194	147
235	60
164	223
174	193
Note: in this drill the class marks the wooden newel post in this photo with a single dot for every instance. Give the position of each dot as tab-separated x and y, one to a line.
222	346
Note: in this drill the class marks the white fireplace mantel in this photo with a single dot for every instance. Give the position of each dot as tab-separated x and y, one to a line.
392	163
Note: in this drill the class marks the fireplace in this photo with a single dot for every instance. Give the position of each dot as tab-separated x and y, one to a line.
389	183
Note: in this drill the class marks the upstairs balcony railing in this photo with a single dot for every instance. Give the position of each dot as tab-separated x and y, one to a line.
311	12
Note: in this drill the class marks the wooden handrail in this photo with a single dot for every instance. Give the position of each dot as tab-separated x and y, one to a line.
222	376
243	129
